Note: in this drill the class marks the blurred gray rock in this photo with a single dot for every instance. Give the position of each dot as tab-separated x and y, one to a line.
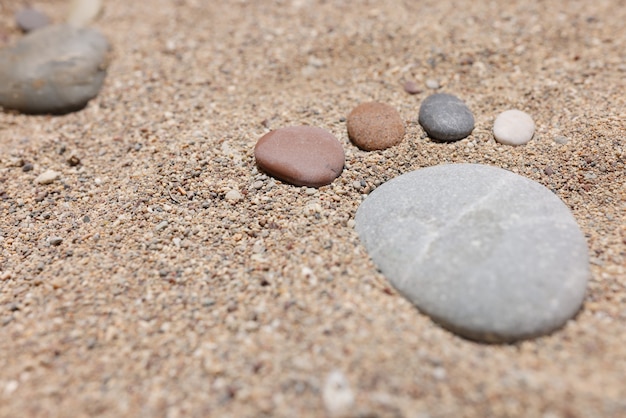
56	69
28	19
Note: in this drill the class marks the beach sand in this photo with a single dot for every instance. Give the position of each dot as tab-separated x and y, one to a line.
166	300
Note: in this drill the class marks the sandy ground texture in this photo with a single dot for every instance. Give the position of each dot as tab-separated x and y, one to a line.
164	299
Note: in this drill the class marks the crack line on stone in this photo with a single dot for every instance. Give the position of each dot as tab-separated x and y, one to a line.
432	238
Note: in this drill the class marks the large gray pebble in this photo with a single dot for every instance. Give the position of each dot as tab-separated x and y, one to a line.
445	117
56	69
488	254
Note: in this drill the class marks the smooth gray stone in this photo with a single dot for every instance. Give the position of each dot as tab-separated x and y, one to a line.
56	69
445	117
486	253
28	19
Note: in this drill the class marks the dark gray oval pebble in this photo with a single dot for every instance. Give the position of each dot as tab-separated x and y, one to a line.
56	69
445	117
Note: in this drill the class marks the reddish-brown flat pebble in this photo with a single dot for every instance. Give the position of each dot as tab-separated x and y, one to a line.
300	155
375	126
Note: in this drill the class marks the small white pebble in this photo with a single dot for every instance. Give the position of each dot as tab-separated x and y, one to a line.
432	84
439	373
55	241
170	45
162	225
337	395
233	196
513	127
10	387
47	177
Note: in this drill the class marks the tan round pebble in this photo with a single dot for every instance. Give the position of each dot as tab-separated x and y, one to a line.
300	155
375	126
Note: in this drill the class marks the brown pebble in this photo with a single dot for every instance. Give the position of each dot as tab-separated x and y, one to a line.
300	155
73	161
411	87
548	170
375	126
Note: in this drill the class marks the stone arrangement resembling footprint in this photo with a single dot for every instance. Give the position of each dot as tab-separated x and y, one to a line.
486	253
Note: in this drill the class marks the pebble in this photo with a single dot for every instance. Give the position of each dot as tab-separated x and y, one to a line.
56	69
445	117
233	196
488	254
432	84
300	155
375	126
411	87
47	177
562	140
73	161
28	19
55	241
161	226
513	127
82	12
337	395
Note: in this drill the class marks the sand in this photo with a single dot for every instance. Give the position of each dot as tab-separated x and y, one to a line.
164	299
